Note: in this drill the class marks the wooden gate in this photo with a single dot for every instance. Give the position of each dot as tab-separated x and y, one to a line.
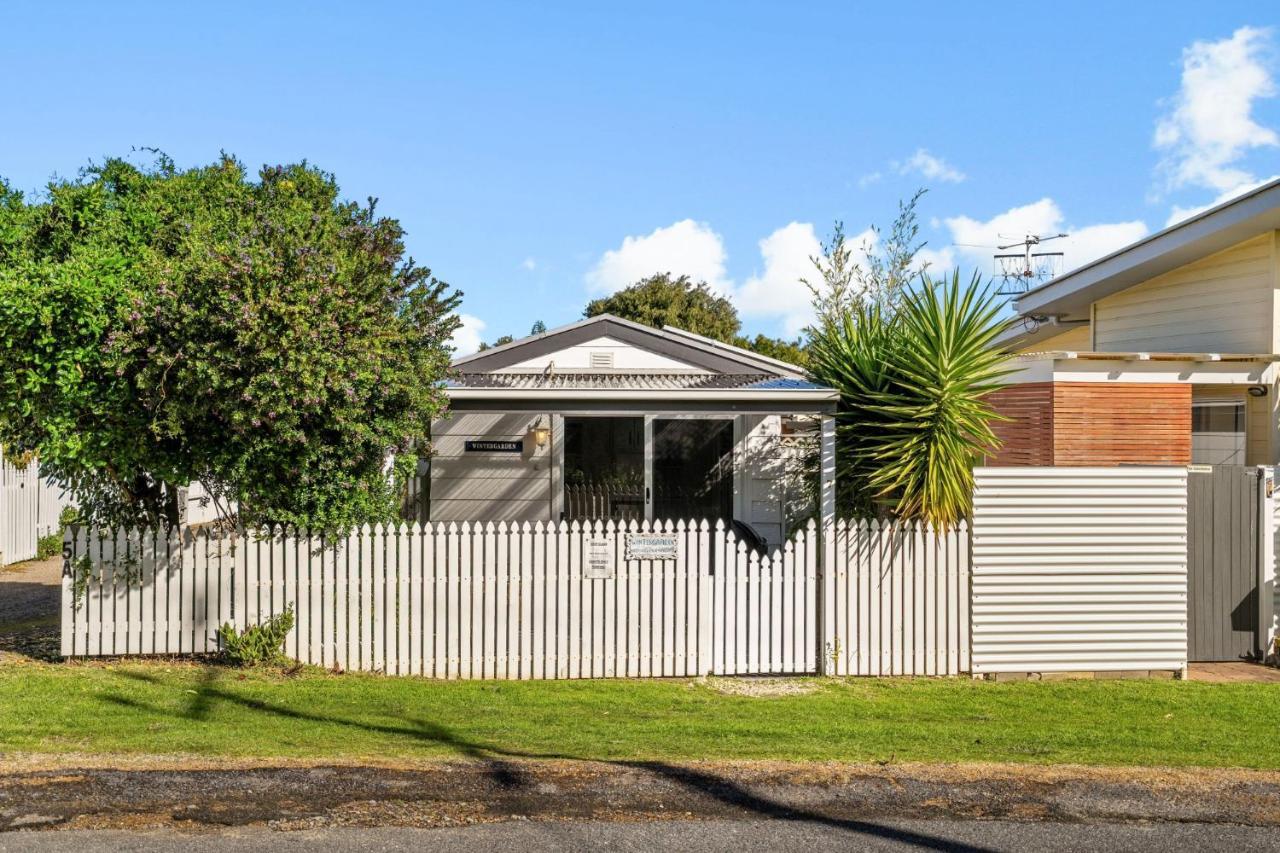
1222	562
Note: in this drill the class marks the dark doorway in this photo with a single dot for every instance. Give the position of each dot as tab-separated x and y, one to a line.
1222	562
692	469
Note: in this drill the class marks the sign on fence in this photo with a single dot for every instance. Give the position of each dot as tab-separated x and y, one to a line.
599	559
650	546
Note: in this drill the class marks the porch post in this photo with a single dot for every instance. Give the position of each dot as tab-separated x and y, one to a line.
826	532
1266	558
648	467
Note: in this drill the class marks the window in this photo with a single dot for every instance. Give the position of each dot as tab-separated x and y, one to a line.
1218	432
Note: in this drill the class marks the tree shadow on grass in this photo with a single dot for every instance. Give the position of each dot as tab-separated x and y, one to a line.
498	762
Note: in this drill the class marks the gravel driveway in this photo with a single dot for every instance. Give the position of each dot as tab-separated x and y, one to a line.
30	594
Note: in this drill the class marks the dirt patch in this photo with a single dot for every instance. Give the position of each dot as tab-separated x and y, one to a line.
453	793
761	688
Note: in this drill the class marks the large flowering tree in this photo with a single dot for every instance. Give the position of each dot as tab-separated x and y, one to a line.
255	333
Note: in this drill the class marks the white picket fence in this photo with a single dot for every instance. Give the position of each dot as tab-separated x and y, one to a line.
534	600
30	507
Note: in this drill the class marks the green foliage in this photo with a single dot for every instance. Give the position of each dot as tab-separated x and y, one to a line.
913	417
258	644
48	546
70	515
258	335
661	300
880	277
792	352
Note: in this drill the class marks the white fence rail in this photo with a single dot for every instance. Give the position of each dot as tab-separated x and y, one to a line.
1079	569
563	600
897	600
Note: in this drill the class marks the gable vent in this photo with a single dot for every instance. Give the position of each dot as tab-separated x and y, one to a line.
601	360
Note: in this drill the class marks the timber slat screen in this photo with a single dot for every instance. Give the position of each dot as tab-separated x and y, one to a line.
564	600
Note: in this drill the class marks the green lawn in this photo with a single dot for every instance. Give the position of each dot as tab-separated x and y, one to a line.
142	708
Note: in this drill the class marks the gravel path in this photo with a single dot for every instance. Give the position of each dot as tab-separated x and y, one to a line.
30	594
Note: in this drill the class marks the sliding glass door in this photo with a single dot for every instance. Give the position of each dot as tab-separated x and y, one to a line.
692	468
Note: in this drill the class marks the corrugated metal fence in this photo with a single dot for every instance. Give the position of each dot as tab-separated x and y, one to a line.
565	600
1079	569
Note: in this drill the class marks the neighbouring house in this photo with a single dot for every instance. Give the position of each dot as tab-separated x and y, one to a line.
1163	352
610	419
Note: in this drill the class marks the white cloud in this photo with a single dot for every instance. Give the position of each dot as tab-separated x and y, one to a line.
777	291
931	167
684	248
974	241
1210	124
529	264
694	249
868	179
1180	213
466	338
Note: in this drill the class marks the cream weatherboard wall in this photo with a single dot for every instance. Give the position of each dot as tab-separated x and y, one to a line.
491	486
1074	339
1223	303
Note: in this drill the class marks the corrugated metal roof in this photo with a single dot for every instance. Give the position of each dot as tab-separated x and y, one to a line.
618	380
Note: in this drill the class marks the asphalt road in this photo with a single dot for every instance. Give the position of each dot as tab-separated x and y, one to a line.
739	836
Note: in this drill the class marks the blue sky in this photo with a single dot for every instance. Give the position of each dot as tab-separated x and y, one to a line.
541	154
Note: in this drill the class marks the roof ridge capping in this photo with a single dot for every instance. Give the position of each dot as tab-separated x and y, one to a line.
680	337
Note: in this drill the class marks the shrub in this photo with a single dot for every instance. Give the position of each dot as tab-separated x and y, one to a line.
47	546
258	644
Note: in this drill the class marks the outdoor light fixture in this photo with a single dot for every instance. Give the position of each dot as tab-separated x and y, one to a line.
1257	391
541	434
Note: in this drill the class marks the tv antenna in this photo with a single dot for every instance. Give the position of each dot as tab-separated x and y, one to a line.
1018	270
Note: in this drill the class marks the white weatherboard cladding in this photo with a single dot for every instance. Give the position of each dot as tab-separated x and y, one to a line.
1079	569
1221	303
625	357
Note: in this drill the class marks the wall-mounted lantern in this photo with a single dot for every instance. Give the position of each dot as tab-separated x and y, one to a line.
541	434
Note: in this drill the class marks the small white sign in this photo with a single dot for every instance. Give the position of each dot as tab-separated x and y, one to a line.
599	559
651	546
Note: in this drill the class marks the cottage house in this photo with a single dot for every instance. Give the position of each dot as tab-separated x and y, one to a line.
610	419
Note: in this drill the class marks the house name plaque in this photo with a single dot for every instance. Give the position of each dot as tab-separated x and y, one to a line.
486	446
651	546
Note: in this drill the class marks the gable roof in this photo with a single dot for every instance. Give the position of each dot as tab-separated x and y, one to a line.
710	355
1069	296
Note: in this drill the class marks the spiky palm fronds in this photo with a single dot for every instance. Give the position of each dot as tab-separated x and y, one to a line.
914	416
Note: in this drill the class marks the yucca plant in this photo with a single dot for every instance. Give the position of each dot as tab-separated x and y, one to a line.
914	416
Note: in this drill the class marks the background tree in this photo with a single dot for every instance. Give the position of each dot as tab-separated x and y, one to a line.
261	336
538	328
850	276
663	300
